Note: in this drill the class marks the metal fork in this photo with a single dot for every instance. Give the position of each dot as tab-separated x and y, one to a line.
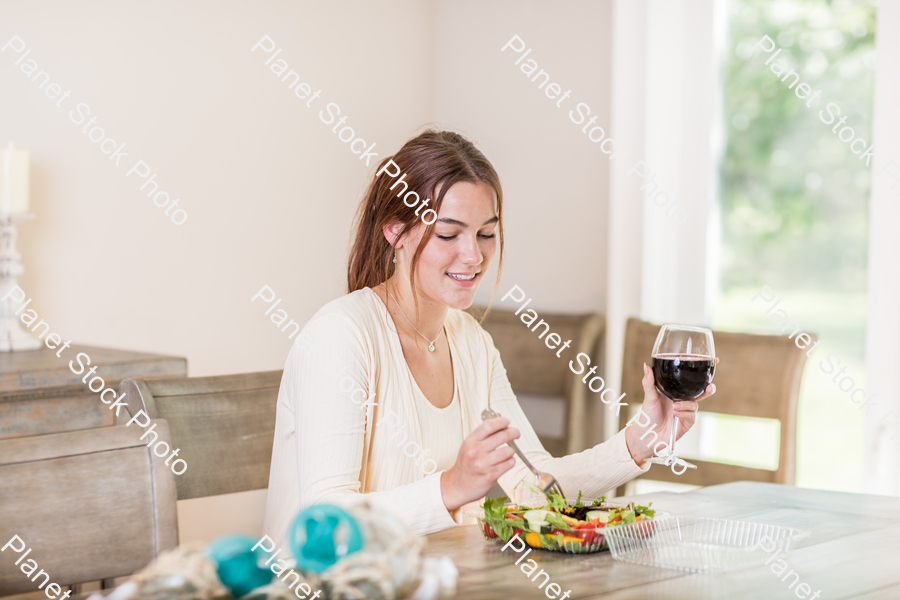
545	481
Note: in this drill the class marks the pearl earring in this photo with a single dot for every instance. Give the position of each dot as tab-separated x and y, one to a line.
395	256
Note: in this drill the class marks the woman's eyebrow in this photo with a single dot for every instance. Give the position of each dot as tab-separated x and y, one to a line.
449	221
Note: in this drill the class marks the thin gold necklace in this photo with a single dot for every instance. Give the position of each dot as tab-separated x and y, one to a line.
430	343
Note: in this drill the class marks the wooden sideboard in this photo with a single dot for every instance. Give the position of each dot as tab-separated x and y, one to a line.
40	394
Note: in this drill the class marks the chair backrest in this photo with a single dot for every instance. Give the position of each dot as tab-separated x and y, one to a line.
224	426
90	504
534	369
757	376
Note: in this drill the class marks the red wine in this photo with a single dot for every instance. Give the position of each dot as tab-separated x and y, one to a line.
682	376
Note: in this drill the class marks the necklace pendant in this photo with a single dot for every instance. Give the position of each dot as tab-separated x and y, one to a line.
431	347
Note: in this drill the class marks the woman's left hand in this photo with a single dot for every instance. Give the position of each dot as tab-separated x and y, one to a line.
661	411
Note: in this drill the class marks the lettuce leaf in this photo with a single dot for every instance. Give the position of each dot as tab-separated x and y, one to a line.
555	519
502	529
536	490
551	542
556	502
495	516
495	508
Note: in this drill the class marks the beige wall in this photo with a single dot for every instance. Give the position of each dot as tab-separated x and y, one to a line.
269	189
555	181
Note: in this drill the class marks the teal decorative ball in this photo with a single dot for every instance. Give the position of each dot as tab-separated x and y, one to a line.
322	535
239	567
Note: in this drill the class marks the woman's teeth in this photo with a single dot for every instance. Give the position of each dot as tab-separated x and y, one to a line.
462	277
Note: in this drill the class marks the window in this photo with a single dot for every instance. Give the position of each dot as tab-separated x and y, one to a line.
794	204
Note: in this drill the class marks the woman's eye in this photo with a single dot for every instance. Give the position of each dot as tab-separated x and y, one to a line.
450	237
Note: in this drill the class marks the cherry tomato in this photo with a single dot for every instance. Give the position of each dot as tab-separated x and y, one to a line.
588	536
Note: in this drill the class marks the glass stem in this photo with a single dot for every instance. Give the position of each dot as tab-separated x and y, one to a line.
672	437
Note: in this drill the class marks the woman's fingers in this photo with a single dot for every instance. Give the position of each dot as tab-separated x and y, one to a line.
648	383
499	438
490	427
710	390
687	406
500	456
686	411
488	447
483	457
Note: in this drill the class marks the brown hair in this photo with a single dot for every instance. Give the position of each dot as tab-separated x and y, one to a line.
431	160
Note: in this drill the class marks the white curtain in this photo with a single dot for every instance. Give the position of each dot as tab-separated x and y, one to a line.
680	266
882	455
665	109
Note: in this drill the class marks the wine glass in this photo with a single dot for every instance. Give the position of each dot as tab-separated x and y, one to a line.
683	362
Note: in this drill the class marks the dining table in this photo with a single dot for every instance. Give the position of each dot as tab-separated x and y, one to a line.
850	550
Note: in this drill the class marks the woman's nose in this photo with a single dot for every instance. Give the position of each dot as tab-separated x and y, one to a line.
471	253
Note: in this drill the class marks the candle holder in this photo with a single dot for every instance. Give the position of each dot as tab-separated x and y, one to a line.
13	335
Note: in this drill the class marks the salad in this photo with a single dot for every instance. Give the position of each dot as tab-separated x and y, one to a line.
559	526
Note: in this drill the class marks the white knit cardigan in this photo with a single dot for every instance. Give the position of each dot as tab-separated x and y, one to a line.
347	389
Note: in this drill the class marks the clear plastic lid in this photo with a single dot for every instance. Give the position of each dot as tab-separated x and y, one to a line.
701	544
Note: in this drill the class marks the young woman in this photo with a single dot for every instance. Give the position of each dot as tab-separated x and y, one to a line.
382	393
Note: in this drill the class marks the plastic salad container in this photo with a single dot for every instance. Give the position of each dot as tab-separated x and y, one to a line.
558	532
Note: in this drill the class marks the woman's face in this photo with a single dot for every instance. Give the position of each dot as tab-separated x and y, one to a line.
456	258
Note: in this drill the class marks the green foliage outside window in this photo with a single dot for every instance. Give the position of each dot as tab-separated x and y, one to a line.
794	202
794	197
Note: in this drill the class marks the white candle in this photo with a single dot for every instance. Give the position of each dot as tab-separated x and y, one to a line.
13	181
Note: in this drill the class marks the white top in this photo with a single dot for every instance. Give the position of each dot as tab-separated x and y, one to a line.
348	422
442	430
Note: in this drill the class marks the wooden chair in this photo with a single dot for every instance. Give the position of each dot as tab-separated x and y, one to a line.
91	504
534	369
224	425
757	376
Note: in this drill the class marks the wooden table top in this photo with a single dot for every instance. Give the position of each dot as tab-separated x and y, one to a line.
853	551
40	394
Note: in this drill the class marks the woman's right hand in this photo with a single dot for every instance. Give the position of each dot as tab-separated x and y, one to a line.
482	459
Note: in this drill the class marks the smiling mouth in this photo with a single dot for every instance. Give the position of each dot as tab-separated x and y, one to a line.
462	277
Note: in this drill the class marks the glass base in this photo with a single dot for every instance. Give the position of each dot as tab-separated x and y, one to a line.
669	460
